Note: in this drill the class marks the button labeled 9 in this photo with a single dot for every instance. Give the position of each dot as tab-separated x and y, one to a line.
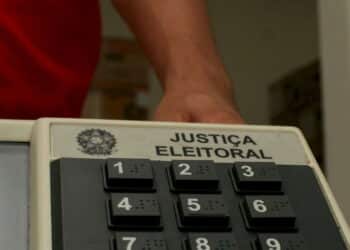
280	242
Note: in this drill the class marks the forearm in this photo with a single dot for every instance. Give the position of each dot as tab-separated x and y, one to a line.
177	39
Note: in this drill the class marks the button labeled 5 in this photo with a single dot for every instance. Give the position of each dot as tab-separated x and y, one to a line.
197	210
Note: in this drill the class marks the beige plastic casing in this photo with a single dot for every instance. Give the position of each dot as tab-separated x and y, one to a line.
16	131
38	134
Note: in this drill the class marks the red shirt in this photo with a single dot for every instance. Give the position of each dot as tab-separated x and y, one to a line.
48	54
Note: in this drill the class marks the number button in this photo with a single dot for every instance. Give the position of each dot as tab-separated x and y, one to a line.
194	175
211	241
140	241
129	174
269	212
280	242
130	210
199	211
257	177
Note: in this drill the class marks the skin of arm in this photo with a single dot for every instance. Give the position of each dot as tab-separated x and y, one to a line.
176	37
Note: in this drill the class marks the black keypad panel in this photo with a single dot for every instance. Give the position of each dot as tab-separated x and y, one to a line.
194	175
129	174
257	177
269	212
203	211
281	242
222	241
139	204
139	241
132	210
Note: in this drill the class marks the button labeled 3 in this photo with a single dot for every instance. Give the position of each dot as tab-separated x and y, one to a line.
256	177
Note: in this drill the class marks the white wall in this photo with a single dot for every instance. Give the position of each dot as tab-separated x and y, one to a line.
260	40
335	37
112	24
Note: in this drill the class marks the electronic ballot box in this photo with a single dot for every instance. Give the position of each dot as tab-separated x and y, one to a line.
70	184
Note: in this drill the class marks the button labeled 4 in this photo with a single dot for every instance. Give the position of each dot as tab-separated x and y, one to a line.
128	209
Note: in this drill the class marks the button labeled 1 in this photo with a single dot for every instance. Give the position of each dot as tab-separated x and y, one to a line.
200	210
194	175
280	242
129	173
134	210
269	212
140	241
211	241
257	177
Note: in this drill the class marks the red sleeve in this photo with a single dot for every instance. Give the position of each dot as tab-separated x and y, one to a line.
49	50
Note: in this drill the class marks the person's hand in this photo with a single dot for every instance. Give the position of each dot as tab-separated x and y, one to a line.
205	103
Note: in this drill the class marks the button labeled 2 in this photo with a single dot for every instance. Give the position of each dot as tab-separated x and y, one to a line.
140	241
128	210
194	175
269	212
200	210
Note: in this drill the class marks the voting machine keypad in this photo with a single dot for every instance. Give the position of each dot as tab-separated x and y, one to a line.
139	204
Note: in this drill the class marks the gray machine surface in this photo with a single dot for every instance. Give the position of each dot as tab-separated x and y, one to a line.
14	161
